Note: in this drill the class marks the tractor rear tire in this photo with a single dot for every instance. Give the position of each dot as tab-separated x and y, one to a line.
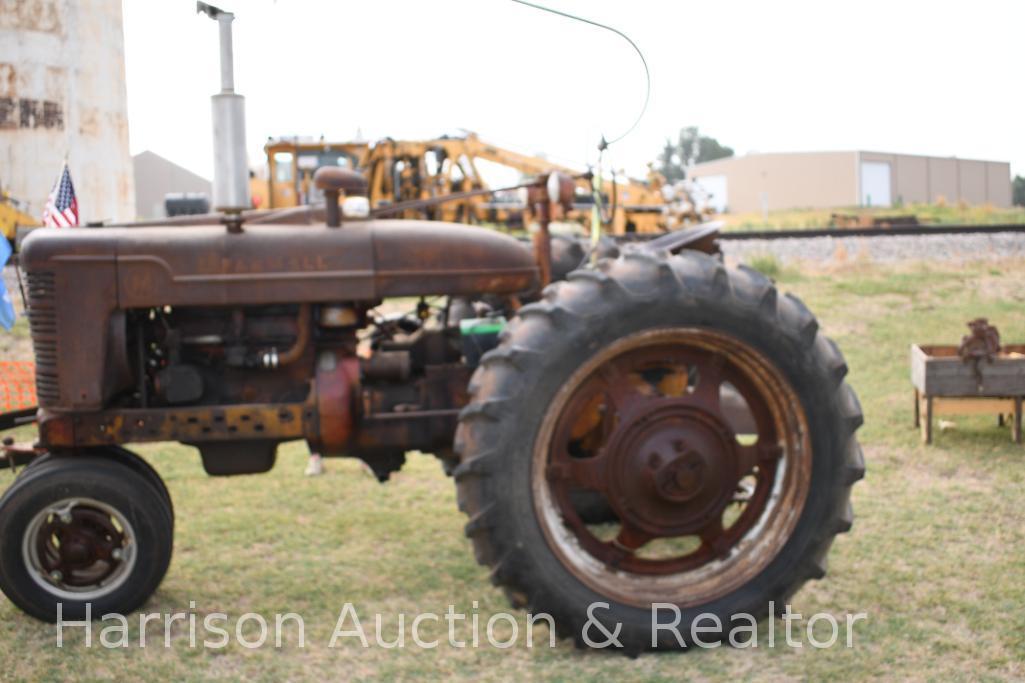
509	478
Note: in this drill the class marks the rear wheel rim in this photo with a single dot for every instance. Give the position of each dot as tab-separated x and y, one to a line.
704	495
79	549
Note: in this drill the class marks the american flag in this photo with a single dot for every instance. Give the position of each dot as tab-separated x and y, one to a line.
61	206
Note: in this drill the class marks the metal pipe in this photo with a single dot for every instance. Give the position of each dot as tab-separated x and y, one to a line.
224	20
414	204
302	338
387	365
543	241
16	418
332	212
413	414
231	170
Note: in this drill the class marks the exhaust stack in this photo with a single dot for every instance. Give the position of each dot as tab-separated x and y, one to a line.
231	172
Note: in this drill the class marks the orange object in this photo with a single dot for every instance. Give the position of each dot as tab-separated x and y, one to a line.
17	385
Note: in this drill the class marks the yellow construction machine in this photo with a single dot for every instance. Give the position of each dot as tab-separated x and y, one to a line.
406	170
12	215
291	163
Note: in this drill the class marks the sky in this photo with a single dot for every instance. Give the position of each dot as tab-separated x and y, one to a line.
918	77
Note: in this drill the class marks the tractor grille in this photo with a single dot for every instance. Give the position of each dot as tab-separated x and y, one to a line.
42	318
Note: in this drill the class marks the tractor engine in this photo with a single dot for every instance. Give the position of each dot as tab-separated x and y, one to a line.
400	375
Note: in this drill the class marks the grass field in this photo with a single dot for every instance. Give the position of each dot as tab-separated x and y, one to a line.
928	214
936	558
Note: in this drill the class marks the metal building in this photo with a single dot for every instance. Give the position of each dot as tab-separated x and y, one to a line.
767	182
156	177
62	95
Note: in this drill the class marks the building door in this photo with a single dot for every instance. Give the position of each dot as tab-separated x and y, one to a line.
713	191
875	183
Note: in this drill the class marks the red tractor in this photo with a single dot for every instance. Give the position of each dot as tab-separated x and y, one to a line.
650	426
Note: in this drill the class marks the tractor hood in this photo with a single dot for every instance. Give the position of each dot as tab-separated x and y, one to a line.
133	267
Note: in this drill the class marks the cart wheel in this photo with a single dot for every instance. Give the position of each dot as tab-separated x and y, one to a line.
89	533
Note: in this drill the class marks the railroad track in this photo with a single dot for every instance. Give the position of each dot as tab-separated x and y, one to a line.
897	231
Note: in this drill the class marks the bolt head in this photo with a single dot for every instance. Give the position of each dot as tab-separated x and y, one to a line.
116	554
65	517
56	575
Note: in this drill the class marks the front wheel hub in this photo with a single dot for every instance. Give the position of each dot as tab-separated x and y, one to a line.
79	548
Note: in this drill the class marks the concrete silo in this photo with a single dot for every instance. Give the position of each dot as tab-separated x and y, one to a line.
62	94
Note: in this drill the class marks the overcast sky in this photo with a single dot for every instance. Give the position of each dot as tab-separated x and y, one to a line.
928	77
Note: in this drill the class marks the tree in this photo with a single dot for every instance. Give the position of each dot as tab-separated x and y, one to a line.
690	148
1018	190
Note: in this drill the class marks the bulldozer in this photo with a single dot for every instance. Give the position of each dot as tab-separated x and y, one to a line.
650	428
402	171
291	163
13	214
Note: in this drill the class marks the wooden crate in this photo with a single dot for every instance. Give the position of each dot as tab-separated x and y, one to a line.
945	384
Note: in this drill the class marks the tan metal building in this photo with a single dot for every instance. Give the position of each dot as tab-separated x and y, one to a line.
767	182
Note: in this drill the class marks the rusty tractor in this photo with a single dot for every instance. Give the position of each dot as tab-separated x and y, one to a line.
638	426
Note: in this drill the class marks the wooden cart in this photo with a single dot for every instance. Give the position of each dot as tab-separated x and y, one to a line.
947	385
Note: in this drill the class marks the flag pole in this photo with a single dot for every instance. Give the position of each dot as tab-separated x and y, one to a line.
21	287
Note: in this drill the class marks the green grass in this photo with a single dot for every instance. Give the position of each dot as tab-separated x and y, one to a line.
16	343
930	214
767	264
935	557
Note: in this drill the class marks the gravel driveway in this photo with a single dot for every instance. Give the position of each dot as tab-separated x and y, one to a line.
948	248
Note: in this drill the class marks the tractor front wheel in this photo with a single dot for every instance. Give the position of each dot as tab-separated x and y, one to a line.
90	534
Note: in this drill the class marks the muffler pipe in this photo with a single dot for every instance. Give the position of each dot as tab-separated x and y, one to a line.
231	170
